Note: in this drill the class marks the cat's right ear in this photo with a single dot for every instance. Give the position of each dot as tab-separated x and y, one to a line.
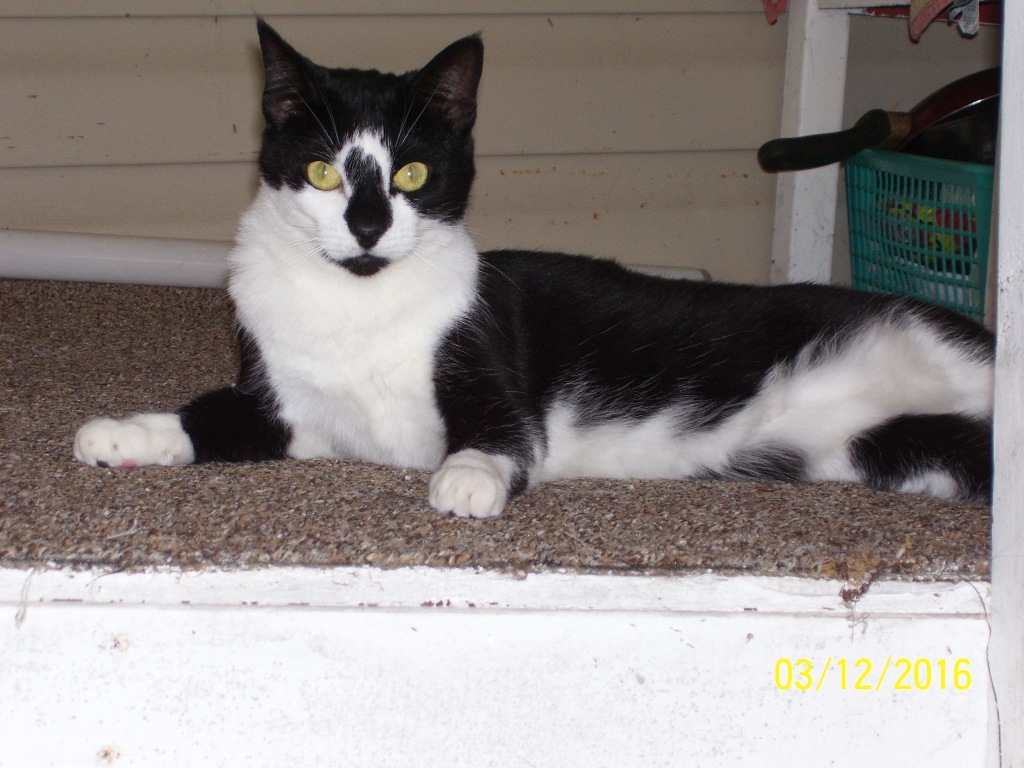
288	90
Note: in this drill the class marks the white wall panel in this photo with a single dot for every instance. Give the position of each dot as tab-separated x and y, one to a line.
669	209
121	8
149	125
130	91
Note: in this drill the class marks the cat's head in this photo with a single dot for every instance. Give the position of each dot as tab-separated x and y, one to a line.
365	162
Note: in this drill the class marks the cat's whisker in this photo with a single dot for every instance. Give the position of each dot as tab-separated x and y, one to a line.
307	249
326	136
399	140
330	114
494	268
426	103
417	253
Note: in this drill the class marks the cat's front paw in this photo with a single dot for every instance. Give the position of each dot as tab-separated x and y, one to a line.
471	483
149	438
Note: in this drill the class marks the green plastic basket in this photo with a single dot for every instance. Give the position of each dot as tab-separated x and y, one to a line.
920	227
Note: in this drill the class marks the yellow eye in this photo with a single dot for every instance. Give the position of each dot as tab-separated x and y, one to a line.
323	175
411	177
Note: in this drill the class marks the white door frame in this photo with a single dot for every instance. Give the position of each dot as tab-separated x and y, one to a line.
802	251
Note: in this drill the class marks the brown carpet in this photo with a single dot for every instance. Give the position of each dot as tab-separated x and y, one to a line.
71	351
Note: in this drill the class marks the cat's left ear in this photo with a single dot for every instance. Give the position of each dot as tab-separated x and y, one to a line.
449	82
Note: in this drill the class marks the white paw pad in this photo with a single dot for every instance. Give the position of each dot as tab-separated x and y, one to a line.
149	438
471	483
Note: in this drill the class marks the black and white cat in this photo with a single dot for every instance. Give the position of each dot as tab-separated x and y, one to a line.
371	328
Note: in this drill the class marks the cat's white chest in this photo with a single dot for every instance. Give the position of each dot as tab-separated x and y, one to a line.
371	400
350	360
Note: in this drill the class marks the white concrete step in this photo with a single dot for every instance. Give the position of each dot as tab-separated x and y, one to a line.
432	667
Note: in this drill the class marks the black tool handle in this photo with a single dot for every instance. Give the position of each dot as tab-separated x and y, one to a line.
874	129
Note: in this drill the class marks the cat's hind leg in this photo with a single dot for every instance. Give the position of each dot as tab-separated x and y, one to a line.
944	455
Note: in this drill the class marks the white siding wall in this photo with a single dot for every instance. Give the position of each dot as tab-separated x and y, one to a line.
626	130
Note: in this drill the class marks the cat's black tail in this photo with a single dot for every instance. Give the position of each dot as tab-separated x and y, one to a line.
924	453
